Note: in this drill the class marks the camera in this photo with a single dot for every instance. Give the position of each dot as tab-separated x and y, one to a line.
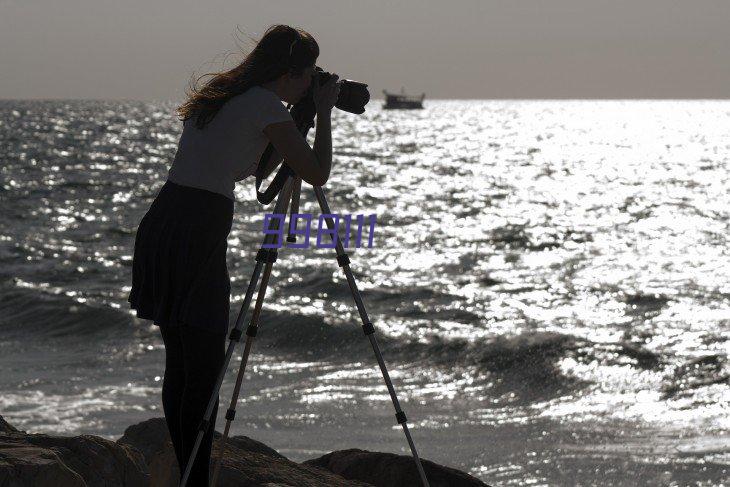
353	96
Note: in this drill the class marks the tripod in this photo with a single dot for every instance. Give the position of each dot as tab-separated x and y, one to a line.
290	189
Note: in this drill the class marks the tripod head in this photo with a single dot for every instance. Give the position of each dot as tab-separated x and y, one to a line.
353	97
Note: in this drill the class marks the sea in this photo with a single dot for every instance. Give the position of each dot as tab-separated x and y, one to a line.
548	282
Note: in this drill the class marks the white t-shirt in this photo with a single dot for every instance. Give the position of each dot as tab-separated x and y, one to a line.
229	147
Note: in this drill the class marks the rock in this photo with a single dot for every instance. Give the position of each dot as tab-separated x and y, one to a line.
99	461
248	444
150	436
144	457
246	462
5	427
27	465
241	468
391	470
40	460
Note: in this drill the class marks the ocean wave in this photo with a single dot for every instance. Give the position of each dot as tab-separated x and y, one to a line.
524	237
643	304
697	373
30	313
532	354
315	282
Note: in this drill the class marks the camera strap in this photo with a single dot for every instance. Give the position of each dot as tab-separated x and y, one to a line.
274	188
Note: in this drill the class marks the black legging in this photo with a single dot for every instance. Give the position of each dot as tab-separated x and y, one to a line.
193	359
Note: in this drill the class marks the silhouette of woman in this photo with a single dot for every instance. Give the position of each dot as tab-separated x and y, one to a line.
180	278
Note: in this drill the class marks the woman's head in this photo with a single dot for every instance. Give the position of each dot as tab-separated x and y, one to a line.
283	61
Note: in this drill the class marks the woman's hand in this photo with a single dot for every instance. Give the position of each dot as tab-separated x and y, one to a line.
325	96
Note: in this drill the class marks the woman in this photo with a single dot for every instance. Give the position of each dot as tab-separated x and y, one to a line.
179	276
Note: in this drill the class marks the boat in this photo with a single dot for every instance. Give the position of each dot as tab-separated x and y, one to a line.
401	100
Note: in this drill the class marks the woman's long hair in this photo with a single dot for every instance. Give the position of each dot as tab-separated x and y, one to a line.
282	49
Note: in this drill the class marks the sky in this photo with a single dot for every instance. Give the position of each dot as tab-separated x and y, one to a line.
463	49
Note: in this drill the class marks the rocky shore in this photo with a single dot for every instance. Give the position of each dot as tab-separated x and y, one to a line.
143	456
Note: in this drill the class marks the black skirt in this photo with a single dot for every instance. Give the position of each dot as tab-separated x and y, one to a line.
179	271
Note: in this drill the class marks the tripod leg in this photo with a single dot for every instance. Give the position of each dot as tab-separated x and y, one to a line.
294	207
250	334
233	337
264	255
344	261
